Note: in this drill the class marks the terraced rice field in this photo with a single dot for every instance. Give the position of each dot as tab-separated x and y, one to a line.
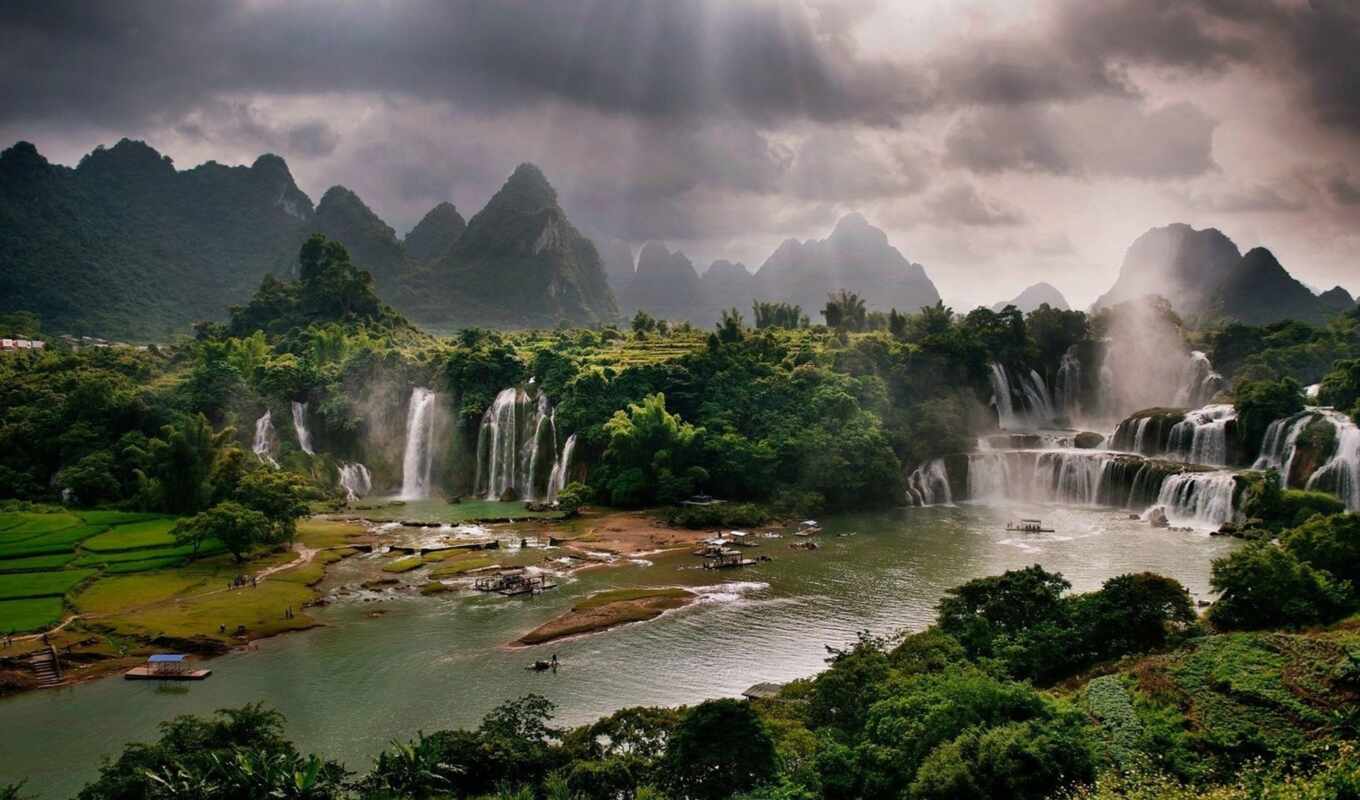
46	557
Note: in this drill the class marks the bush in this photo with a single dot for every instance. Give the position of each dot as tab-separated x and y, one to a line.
1265	586
1329	543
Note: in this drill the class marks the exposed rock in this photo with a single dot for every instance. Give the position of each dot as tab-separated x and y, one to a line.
1088	440
1157	518
665	285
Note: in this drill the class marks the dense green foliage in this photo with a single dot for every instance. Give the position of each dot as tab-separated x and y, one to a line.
1261	402
1309	578
1299	350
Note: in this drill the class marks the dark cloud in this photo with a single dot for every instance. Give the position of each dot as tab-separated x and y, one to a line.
658	58
1343	190
1112	138
961	204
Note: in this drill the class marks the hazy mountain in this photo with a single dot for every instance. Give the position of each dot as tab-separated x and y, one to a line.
856	257
665	285
1035	296
1204	275
519	262
435	234
728	285
124	245
617	257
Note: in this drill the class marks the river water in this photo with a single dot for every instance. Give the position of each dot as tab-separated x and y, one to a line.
382	670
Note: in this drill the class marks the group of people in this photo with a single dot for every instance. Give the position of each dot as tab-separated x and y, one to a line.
242	580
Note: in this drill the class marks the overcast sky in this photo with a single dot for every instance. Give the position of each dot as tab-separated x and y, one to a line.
998	143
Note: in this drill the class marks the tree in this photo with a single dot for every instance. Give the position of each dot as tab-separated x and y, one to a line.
238	528
1007	604
1265	586
1131	614
731	328
91	479
1341	386
175	467
1329	543
778	315
572	497
845	311
277	494
1260	403
643	323
719	749
649	447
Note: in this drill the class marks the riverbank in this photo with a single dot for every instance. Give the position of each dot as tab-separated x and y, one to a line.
606	610
115	621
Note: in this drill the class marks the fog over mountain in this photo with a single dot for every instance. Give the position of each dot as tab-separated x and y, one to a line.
1017	143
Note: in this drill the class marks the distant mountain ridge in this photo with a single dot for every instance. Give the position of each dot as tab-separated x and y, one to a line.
1204	276
1035	296
126	246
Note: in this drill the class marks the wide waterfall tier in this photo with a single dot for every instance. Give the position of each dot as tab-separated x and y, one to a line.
1198	499
304	436
1199	436
517	449
1064	477
263	444
355	479
1022	401
418	459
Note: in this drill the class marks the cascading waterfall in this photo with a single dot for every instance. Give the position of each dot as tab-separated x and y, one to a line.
1036	408
517	447
1277	449
304	436
1341	473
1065	476
1202	437
1002	399
561	469
928	485
355	480
1067	386
418	459
1199	382
1198	499
264	437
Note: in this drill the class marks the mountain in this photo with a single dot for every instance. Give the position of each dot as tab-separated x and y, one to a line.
1337	299
1205	276
1035	296
126	246
856	257
665	285
519	262
435	234
617	257
372	243
728	285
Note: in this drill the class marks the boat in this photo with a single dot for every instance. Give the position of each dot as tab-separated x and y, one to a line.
1028	526
808	527
541	666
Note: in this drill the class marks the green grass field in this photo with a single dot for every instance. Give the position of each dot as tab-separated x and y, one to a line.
56	583
37	563
22	616
134	536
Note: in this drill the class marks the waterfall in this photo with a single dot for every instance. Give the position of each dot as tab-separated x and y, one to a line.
419	455
1001	398
1140	435
1341	473
1067	388
1036	402
1199	382
355	480
304	436
517	437
264	436
1202	437
1277	448
928	484
1198	499
1311	391
1068	477
561	470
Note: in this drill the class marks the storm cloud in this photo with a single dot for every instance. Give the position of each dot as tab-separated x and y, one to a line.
723	127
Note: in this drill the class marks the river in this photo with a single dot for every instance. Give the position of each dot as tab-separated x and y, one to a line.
381	670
